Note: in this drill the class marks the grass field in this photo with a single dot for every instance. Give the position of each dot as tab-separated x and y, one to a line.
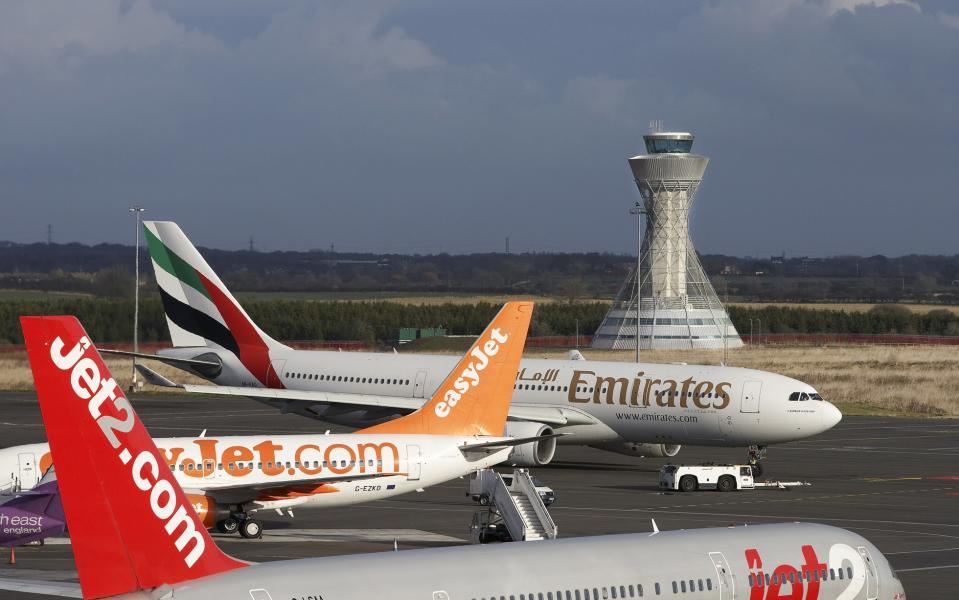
847	307
884	380
398	297
15	372
35	295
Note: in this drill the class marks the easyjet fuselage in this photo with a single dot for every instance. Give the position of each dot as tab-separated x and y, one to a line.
619	402
227	468
763	562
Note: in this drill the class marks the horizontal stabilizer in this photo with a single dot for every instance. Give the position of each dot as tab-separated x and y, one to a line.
508	443
63	589
265	485
154	378
176	362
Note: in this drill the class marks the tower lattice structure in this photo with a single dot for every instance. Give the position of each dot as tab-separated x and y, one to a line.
678	306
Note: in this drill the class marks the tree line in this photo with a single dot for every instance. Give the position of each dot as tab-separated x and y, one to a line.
110	320
106	270
880	319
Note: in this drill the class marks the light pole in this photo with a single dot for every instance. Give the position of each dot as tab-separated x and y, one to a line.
637	210
136	210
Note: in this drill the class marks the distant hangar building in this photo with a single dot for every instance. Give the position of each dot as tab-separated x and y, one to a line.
678	307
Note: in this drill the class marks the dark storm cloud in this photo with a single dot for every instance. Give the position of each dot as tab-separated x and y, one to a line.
437	126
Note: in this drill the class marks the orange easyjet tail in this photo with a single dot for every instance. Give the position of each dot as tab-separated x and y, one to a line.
474	399
132	526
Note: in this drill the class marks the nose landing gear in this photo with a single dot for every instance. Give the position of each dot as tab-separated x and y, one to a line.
754	455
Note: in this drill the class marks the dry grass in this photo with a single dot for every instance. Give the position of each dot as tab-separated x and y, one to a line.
15	372
849	307
398	298
892	380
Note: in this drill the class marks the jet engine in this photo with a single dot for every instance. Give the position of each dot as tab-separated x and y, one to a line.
643	450
534	454
207	509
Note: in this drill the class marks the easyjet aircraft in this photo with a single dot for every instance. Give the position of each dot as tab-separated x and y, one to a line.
135	535
228	478
634	409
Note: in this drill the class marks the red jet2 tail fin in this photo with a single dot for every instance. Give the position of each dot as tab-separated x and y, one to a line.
131	525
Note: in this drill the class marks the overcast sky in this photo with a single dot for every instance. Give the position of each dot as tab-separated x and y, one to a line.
433	126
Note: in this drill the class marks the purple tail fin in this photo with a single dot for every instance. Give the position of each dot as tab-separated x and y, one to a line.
32	515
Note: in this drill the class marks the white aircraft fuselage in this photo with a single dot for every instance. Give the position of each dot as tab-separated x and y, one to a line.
764	562
281	471
599	403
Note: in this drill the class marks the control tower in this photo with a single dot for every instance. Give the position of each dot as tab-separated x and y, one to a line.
678	307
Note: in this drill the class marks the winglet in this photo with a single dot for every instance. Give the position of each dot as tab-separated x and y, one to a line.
131	525
474	399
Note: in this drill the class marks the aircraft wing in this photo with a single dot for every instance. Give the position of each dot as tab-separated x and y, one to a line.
365	400
548	415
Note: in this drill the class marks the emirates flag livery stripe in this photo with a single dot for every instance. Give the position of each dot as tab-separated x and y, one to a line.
198	322
198	306
254	353
167	260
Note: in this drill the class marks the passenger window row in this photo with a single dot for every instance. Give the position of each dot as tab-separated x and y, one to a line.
609	593
270	464
346	379
541	388
680	587
804	576
660	393
603	593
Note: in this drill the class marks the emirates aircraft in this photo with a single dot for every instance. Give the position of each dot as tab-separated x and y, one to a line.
635	409
227	479
135	535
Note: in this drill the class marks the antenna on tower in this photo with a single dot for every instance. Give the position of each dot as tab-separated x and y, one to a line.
507	245
251	243
655	125
49	234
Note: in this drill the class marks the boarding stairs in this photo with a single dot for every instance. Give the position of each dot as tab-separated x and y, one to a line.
518	506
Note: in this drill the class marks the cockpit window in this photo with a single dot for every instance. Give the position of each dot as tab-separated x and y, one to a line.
803	397
794	396
815	396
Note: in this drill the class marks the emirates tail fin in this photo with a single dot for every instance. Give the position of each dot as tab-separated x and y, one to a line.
200	310
475	397
132	527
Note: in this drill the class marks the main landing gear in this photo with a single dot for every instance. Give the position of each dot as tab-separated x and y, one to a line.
248	527
756	454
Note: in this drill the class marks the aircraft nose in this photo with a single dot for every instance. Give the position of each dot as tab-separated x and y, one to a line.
830	415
